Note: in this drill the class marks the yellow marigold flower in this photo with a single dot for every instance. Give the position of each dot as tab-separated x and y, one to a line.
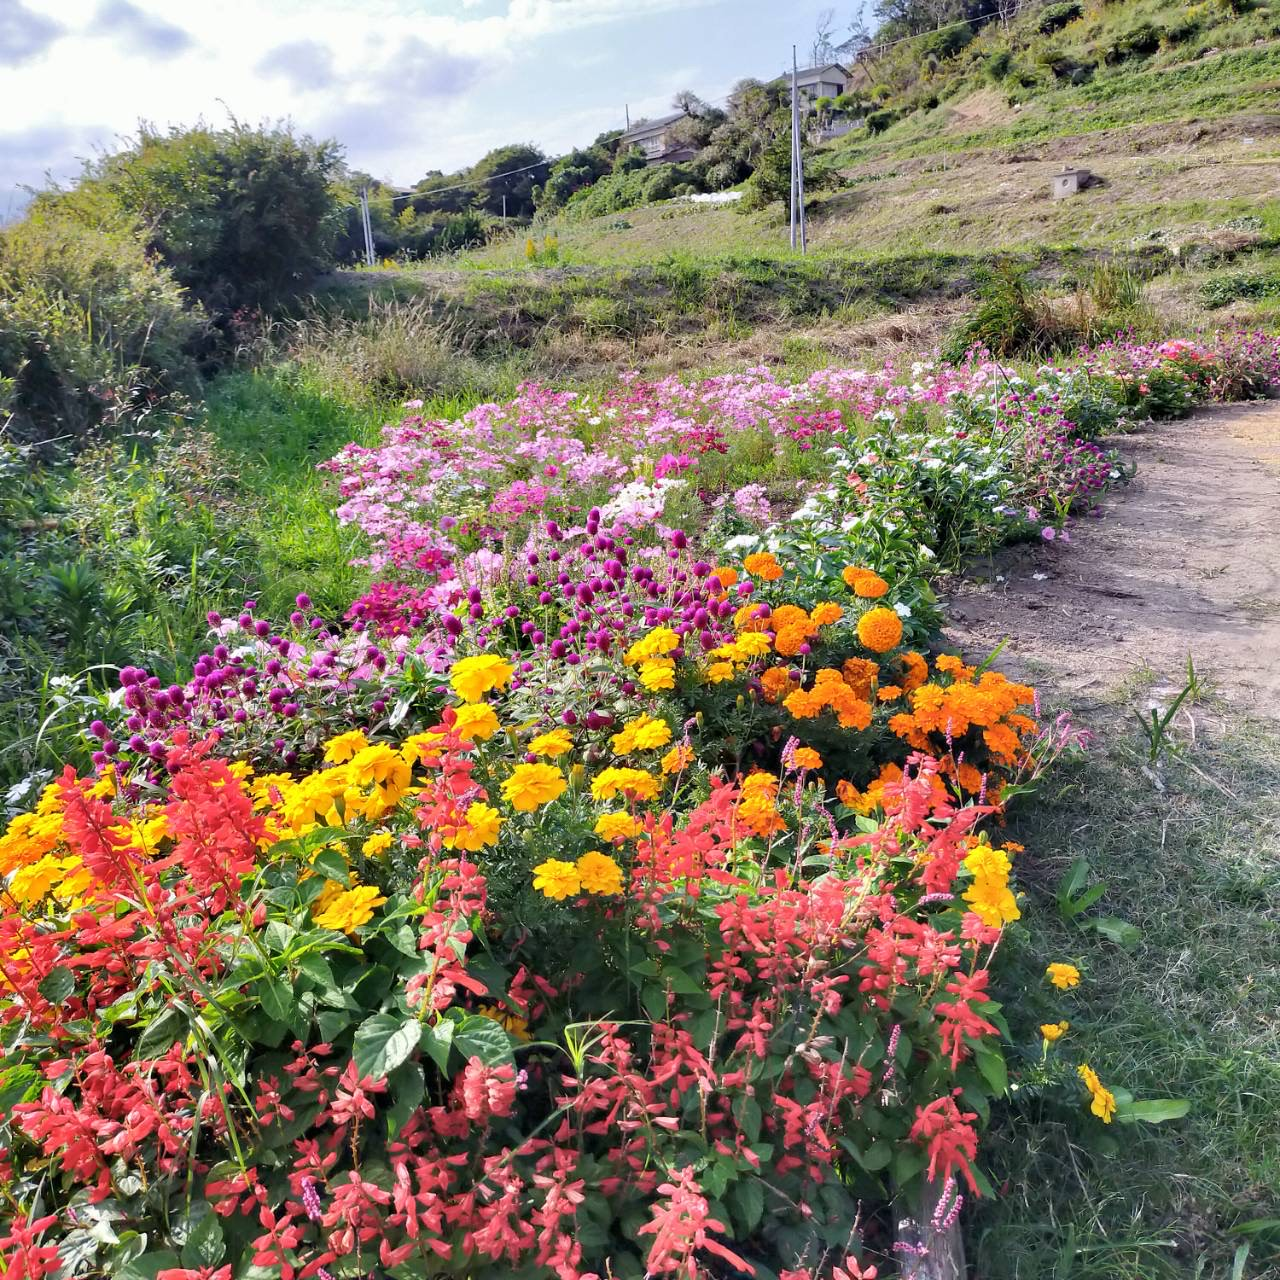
760	814
31	883
1103	1103
471	678
759	782
634	783
644	733
677	759
340	749
984	861
657	674
475	720
659	641
557	879
530	786
806	758
616	826
880	630
825	614
420	746
719	672
555	742
377	843
1054	1031
992	901
599	873
752	644
481	829
381	767
763	565
512	1023
350	909
1063	976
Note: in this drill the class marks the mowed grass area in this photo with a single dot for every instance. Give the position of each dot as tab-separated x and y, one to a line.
1191	1011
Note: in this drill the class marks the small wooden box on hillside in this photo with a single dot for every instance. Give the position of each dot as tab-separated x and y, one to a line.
1070	181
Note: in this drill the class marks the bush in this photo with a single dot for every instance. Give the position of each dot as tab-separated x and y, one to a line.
91	329
627	188
1138	41
1054	17
242	216
879	121
1013	318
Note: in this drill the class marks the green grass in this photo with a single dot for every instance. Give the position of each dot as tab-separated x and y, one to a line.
1190	1012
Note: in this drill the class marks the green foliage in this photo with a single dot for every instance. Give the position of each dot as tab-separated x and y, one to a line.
493	178
243	215
91	329
1054	17
1240	286
879	121
630	187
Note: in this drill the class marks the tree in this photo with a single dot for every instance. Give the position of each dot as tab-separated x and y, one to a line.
689	102
823	48
243	215
493	178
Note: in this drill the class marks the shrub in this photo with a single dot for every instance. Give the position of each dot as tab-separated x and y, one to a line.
1137	41
243	216
1054	17
91	329
1013	317
879	121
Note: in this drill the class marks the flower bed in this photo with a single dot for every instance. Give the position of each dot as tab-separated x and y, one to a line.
606	897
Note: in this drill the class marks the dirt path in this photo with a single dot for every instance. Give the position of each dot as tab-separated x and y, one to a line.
1185	560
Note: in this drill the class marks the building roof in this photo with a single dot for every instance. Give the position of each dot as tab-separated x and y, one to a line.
805	72
649	126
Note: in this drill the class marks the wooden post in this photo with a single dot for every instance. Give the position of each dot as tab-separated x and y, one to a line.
927	1251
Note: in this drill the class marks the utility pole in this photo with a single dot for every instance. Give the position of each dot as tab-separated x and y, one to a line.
794	119
626	110
504	208
799	161
367	225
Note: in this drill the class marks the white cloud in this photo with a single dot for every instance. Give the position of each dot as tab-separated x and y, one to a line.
406	85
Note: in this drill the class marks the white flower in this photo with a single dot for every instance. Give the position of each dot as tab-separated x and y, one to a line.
742	542
902	610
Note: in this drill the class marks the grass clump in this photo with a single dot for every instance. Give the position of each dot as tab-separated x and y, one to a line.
1189	1011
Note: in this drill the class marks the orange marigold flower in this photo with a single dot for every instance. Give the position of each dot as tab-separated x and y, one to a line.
763	565
953	666
916	671
802	704
775	682
970	778
806	758
826	613
880	630
727	575
852	574
860	674
789	615
889	693
870	586
788	641
677	758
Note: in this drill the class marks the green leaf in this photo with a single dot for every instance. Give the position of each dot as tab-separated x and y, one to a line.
991	1064
160	1033
58	985
204	1245
275	997
746	1196
18	1084
1153	1110
148	1266
482	1038
330	863
1121	932
318	969
437	1042
382	1043
408	1088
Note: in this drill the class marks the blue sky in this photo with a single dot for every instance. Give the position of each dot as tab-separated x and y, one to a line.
406	85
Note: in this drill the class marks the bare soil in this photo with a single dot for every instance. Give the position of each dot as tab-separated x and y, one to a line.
1184	561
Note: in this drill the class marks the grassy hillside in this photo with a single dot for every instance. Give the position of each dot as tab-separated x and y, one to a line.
1173	108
